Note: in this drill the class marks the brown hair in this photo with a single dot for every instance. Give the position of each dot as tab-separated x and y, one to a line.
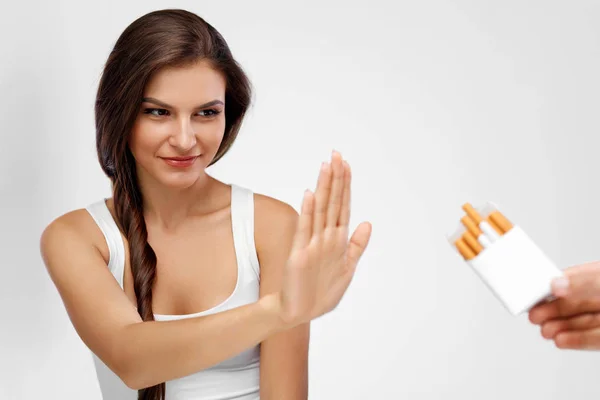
165	38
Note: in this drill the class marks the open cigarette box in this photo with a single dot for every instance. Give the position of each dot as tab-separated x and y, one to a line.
504	257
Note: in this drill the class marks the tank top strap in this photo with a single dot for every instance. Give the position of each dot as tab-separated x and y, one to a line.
105	221
242	218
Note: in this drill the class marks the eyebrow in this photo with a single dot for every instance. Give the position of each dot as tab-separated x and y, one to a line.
165	105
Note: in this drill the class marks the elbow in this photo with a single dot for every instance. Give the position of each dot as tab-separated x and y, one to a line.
132	377
131	380
137	380
133	374
130	363
127	373
124	365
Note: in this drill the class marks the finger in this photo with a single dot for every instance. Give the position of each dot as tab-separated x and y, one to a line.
304	226
321	198
579	340
356	248
578	281
563	308
345	208
544	312
358	243
587	267
581	322
337	188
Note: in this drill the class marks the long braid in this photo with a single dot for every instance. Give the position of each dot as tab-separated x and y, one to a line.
130	213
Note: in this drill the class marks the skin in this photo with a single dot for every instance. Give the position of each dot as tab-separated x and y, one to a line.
201	231
572	320
306	260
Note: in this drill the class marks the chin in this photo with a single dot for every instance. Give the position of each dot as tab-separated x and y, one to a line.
180	181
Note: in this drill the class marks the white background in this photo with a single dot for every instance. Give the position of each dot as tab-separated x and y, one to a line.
434	103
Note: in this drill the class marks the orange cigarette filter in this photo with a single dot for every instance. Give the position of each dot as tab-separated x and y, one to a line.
494	225
472	242
471	212
471	226
504	224
464	249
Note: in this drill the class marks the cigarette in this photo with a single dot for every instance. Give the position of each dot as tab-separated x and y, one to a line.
471	212
494	225
475	231
472	242
504	224
487	229
464	249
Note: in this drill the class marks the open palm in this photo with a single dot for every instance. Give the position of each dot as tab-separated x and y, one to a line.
322	260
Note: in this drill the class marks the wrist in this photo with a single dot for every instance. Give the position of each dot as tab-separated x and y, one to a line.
271	306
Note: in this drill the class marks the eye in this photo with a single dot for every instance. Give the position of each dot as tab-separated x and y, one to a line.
211	112
156	112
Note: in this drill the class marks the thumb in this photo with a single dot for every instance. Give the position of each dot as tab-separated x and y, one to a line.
358	243
578	281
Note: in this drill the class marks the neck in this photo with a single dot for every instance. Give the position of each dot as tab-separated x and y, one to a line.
168	208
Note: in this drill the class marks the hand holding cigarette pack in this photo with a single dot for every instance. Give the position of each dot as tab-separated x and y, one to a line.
513	267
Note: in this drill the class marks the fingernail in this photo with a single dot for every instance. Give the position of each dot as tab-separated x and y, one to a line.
560	286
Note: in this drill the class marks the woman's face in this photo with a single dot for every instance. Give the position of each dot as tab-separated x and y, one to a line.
180	125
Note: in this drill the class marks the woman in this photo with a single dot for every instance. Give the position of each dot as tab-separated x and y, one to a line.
181	278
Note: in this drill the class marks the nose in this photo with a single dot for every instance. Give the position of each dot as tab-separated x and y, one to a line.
184	139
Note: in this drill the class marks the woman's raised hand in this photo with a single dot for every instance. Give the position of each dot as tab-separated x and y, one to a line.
322	260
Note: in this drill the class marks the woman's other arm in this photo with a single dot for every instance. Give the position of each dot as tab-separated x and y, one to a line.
284	356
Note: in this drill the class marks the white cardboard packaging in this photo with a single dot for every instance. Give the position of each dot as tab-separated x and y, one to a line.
514	268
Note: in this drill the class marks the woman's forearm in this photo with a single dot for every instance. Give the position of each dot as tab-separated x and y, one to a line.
156	351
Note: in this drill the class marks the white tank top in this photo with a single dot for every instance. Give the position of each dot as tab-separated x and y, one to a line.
236	378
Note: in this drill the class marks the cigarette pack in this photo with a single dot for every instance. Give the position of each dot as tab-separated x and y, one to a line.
508	261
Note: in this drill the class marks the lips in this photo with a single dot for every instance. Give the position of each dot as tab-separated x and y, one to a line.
189	158
180	162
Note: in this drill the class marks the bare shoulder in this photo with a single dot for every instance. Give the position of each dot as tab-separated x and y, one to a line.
273	219
71	223
75	226
274	228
